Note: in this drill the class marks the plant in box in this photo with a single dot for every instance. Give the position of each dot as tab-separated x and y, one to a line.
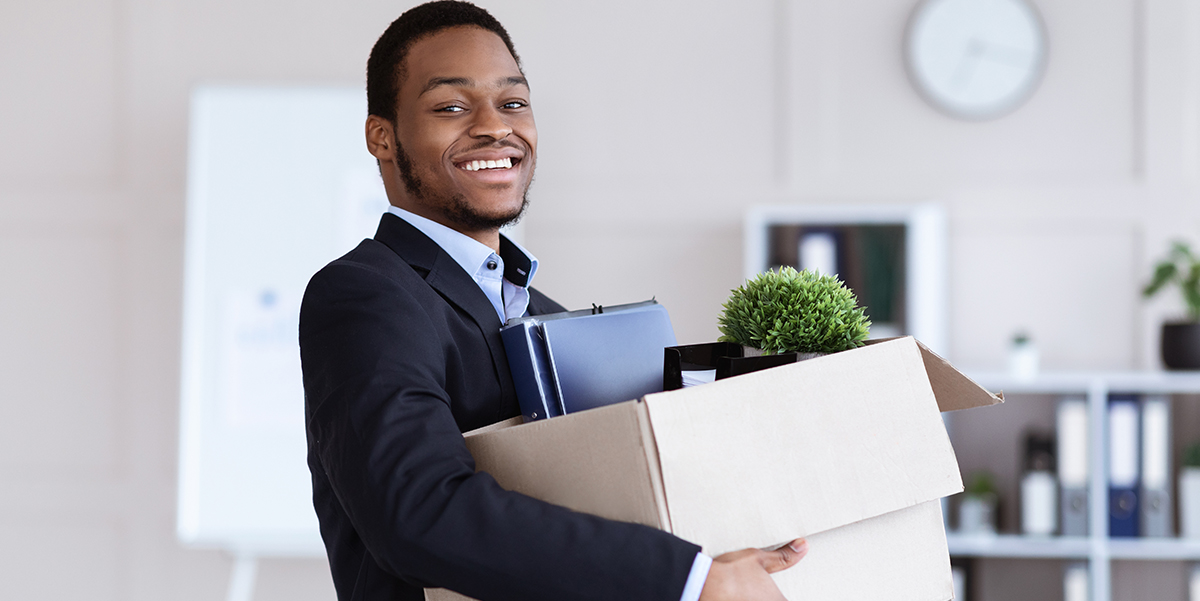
776	318
1180	343
1189	493
789	311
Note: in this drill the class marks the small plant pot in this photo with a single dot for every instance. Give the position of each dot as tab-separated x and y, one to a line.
1181	345
1189	502
977	514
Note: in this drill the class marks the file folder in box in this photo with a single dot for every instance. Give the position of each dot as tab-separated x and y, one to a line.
567	362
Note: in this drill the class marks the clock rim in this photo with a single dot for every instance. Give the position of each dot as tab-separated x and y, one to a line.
997	111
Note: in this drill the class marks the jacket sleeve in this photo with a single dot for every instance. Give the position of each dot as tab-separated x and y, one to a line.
382	431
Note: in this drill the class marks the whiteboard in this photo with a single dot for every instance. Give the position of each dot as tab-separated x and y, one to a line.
279	184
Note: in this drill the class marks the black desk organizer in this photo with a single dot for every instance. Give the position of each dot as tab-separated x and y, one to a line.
725	357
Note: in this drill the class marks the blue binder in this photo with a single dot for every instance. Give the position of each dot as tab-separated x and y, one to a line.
567	362
1123	465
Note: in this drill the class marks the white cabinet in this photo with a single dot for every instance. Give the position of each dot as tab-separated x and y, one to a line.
993	437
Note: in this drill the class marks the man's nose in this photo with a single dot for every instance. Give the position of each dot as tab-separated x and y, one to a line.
490	123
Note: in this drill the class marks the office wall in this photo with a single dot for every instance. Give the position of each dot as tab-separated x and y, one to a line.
660	122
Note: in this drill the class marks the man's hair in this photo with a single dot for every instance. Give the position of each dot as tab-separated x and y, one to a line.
385	67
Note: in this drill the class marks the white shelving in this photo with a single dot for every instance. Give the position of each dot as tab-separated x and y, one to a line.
1097	548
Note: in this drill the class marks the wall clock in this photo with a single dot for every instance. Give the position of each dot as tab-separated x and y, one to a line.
975	59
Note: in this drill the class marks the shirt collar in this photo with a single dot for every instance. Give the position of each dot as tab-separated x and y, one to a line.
471	254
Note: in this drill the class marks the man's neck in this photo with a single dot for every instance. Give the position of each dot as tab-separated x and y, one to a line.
488	237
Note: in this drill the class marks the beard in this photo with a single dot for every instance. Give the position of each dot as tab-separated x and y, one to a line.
456	207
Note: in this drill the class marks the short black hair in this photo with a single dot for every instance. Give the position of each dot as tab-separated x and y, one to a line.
385	67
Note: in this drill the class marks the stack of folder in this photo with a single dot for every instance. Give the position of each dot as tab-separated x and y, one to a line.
567	362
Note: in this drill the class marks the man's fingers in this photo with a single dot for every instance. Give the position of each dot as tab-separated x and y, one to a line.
784	557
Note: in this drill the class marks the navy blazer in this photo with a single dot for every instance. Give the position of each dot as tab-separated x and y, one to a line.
401	353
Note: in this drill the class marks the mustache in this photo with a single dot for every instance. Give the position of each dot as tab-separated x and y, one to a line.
505	143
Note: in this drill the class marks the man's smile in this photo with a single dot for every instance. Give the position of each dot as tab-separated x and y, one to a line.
476	165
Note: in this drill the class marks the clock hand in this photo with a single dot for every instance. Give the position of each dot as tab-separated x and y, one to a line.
968	63
1005	55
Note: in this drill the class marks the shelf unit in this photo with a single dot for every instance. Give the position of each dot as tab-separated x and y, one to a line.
1097	548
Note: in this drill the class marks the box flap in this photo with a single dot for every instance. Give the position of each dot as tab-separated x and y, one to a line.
953	389
595	461
841	438
898	556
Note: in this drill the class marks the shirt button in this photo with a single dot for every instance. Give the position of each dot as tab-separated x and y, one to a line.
491	265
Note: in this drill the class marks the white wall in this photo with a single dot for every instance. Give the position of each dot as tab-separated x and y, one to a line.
660	123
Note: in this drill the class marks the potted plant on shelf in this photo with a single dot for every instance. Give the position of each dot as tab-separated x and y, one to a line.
977	510
1189	493
789	311
778	317
1180	343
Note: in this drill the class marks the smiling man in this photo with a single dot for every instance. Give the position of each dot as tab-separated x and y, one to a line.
401	353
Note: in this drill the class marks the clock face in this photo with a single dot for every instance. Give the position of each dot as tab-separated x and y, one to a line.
975	59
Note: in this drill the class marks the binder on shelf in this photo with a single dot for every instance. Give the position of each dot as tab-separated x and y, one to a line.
1075	582
1123	465
1156	467
567	362
1072	457
1194	583
1039	487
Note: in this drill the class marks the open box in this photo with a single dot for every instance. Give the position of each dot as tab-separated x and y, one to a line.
848	450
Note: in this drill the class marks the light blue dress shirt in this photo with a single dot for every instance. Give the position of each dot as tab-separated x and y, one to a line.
510	300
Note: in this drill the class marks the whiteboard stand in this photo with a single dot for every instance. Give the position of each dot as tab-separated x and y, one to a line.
245	572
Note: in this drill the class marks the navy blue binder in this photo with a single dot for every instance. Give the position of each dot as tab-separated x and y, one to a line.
1123	465
567	362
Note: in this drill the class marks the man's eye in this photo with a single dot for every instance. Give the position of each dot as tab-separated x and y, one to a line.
515	104
451	109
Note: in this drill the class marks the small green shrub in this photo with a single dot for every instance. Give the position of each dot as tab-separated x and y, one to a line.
980	484
1191	455
1182	268
789	311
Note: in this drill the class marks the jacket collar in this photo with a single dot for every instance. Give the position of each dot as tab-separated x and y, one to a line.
448	278
439	269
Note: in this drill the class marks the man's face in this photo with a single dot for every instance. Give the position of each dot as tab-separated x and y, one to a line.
467	143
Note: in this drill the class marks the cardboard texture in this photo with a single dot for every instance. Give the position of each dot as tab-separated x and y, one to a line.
848	450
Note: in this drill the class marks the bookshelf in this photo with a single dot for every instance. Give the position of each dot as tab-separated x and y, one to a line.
1097	549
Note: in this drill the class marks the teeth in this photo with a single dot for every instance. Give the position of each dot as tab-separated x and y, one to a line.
505	163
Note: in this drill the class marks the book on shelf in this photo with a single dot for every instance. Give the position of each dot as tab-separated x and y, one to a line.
1072	457
1123	465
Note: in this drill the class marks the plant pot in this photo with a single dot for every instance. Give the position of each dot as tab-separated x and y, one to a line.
977	514
1189	502
1181	345
721	360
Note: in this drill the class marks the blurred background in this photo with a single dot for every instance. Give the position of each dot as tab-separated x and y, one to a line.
661	123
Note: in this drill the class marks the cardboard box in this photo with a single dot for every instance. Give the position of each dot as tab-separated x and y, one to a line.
848	450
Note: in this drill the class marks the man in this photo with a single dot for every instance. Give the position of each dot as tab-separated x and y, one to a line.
401	353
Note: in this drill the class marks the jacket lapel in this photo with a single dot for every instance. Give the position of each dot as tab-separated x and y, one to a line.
449	279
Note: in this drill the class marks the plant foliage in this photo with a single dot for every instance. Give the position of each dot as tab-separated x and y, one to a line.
981	483
784	311
1191	455
1181	267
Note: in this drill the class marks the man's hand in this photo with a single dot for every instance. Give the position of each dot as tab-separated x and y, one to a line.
745	575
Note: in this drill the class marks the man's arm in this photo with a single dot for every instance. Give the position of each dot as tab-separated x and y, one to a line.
381	427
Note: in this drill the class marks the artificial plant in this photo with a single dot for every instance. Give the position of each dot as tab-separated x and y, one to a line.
784	310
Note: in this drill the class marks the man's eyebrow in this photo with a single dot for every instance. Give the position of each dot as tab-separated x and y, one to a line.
463	82
446	81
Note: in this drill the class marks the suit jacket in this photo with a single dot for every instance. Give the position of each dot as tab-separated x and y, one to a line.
401	353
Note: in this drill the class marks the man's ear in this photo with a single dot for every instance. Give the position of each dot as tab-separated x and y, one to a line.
380	139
